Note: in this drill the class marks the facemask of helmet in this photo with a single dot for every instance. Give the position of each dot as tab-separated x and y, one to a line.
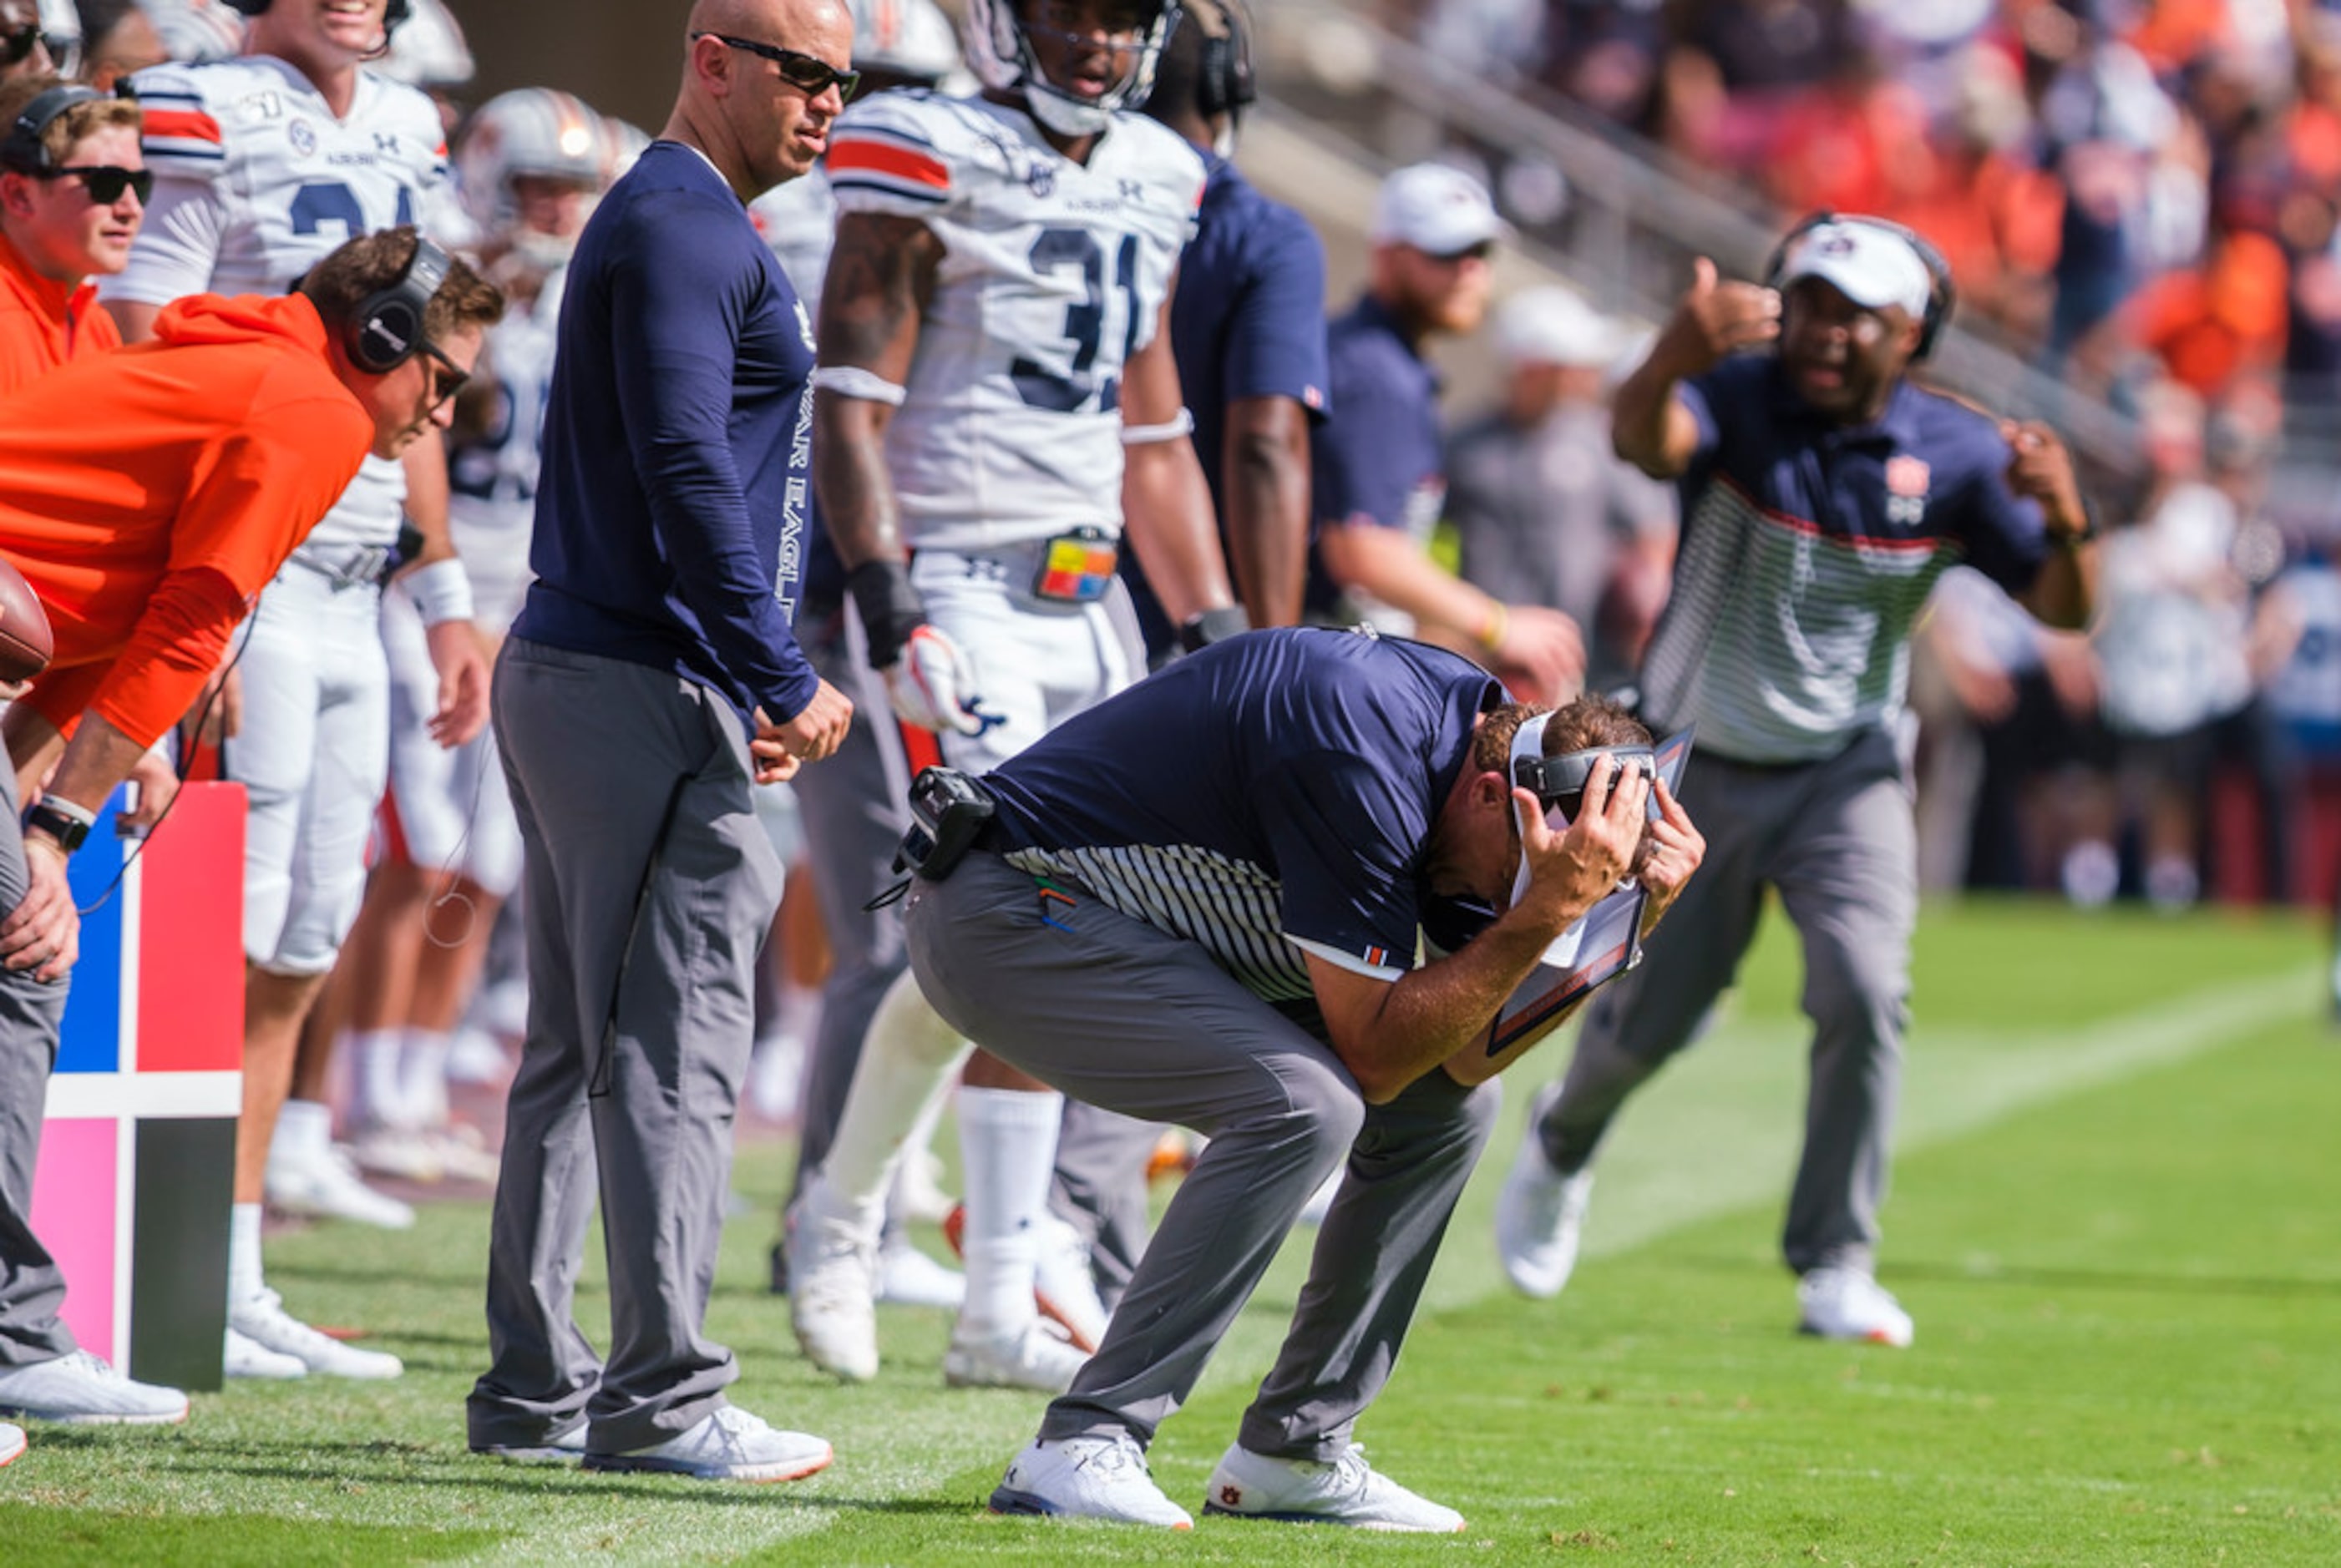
1002	59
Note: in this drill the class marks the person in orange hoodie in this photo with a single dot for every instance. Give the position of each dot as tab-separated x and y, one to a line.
147	496
73	192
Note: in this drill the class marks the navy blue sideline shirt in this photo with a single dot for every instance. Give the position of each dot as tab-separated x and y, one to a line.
672	508
1270	796
1248	320
1808	549
1379	461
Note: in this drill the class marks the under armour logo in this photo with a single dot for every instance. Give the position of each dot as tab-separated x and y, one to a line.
385	141
1132	190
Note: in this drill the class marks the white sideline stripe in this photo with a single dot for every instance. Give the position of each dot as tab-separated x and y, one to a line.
146	1095
1956	1081
1720	1129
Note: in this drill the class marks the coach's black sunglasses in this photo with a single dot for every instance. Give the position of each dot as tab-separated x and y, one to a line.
15	46
107	182
797	69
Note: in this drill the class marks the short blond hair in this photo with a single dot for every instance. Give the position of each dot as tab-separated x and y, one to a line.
78	124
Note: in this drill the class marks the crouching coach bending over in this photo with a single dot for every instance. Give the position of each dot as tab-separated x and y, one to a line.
1199	903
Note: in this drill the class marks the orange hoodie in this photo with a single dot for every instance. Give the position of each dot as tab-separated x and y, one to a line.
149	494
44	324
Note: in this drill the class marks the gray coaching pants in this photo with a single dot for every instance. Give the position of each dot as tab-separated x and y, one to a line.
648	890
1114	1012
32	1287
1837	839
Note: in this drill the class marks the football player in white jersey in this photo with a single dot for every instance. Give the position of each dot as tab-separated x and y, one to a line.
264	164
529	167
998	398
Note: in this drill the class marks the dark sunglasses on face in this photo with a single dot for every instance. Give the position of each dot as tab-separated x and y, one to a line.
106	182
801	71
446	380
15	46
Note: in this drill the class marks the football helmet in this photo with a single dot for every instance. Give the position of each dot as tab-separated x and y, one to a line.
533	131
429	51
909	38
61	31
1001	57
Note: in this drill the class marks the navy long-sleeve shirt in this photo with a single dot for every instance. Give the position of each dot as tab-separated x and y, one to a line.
676	487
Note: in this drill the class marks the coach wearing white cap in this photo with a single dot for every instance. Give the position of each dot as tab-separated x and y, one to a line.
1822	494
1377	475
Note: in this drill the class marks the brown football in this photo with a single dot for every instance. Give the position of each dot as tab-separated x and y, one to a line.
26	644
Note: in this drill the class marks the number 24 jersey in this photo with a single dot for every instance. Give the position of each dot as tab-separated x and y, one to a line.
1052	276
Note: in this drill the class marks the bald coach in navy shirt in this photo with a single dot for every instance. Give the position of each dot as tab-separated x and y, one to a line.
650	683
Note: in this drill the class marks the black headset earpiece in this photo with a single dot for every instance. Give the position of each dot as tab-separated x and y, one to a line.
22	149
1560	780
387	331
1225	82
1942	297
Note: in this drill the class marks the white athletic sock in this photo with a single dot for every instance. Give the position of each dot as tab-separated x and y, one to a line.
373	1056
422	1079
244	1277
916	1163
909	1057
305	1133
1008	1146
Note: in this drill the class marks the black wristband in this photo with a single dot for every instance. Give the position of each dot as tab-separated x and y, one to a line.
67	829
888	607
1213	626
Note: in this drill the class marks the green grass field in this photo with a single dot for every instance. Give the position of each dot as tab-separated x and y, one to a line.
2116	1219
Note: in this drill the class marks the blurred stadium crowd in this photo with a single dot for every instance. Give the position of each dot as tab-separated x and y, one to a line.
2140	199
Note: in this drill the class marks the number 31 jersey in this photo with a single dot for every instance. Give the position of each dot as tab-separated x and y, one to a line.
1052	276
256	182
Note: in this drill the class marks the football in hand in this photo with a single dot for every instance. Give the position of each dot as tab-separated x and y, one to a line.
26	643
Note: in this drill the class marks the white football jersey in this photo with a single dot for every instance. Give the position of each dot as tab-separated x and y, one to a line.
492	467
799	220
255	182
1054	274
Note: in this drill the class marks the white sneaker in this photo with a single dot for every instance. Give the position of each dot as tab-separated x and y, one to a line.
729	1445
245	1356
1540	1213
1029	1356
81	1389
831	1292
464	1155
262	1318
402	1154
1087	1478
1065	1287
561	1448
1344	1491
477	1056
1848	1304
909	1277
328	1187
12	1442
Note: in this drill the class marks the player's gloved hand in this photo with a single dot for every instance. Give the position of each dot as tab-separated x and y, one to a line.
932	686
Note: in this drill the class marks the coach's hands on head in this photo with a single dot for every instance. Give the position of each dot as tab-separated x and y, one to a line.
1677	847
931	685
1716	318
1571	872
816	732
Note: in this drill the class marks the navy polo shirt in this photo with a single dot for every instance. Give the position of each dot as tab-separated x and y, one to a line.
1808	550
1271	795
1378	461
1248	320
674	501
